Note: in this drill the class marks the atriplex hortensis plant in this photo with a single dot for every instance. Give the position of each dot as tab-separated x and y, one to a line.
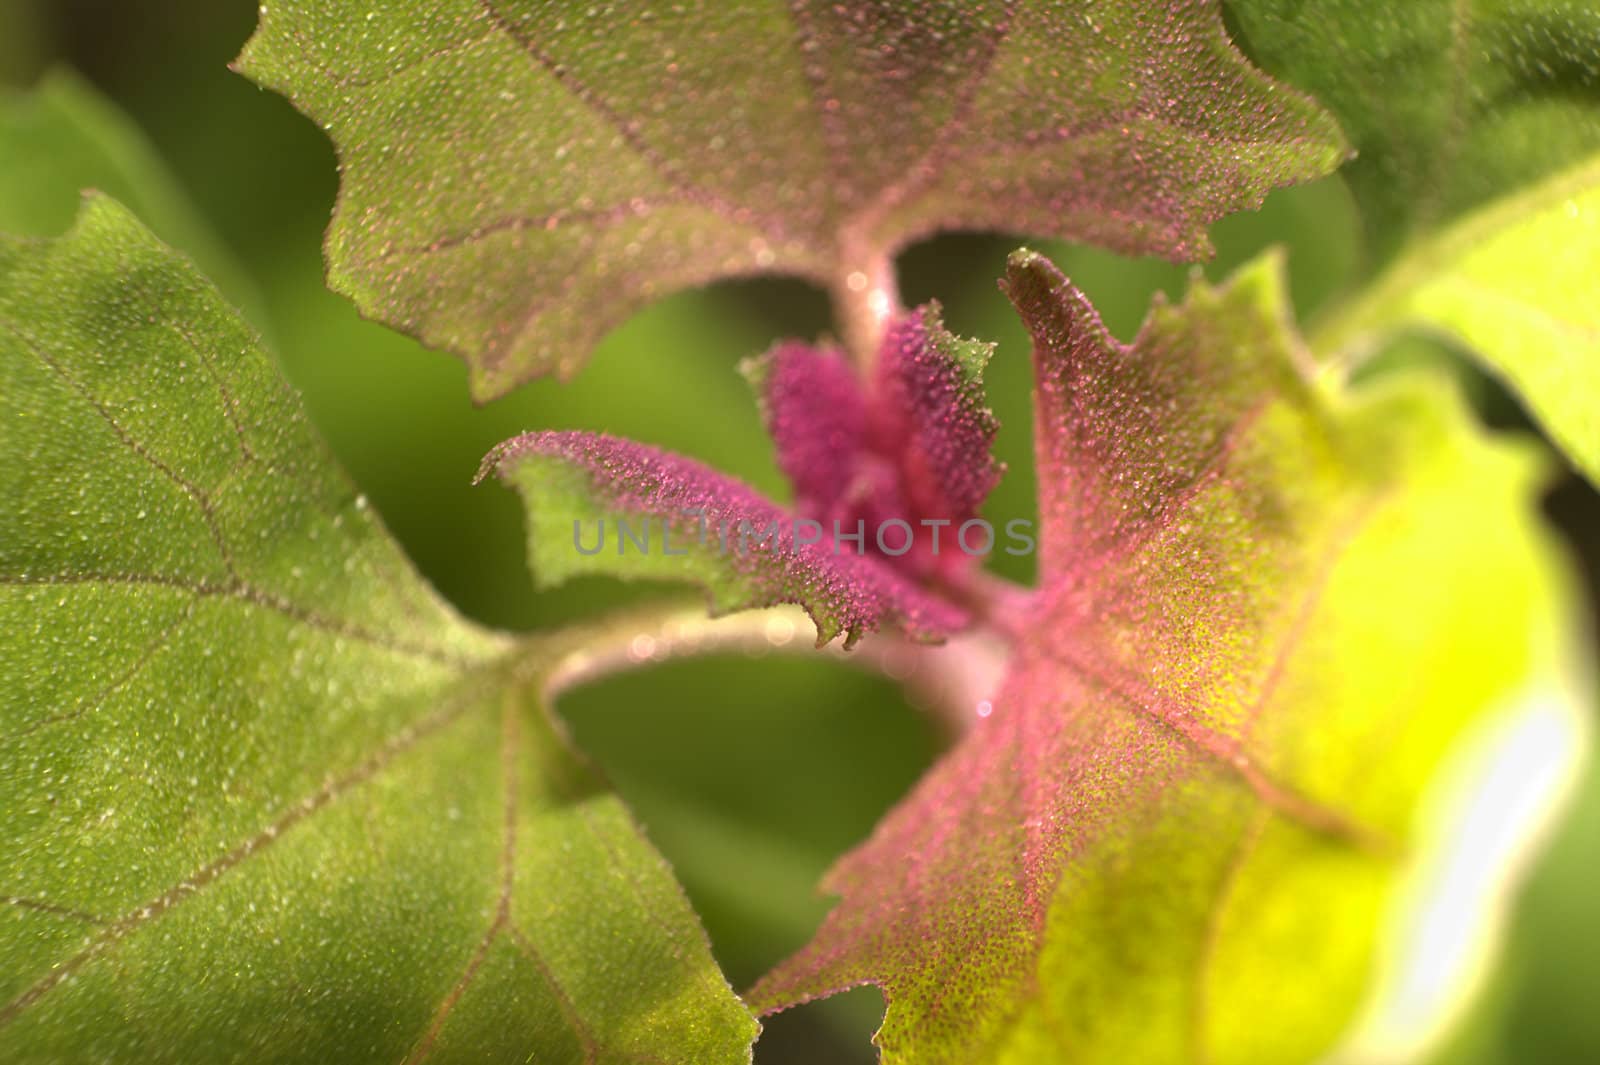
268	798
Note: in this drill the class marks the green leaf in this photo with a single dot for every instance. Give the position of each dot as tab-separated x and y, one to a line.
1514	282
75	139
518	177
1448	103
1456	108
1230	801
267	798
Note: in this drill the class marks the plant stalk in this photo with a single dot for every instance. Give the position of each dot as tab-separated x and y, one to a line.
866	297
956	680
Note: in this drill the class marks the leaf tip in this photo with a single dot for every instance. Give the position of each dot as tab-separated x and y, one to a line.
495	461
245	63
1029	275
1052	308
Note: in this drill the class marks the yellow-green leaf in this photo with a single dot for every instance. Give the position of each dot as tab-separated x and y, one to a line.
1277	626
1449	104
1517	282
1475	124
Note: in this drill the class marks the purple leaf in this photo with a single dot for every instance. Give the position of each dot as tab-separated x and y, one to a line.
700	526
814	408
912	447
929	410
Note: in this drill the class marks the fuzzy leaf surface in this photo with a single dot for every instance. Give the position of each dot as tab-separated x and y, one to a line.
265	797
914	442
1207	765
600	505
520	176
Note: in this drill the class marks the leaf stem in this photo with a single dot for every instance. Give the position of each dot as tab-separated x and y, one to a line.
866	297
956	680
652	633
995	602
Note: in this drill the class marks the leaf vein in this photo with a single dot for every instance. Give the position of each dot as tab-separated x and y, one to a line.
709	977
628	131
89	705
835	141
598	216
40	906
591	1048
1305	609
243	593
508	860
1130	539
935	160
332	789
1211	934
208	365
198	497
1229	753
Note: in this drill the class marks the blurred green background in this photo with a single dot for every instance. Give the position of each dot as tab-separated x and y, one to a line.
750	775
